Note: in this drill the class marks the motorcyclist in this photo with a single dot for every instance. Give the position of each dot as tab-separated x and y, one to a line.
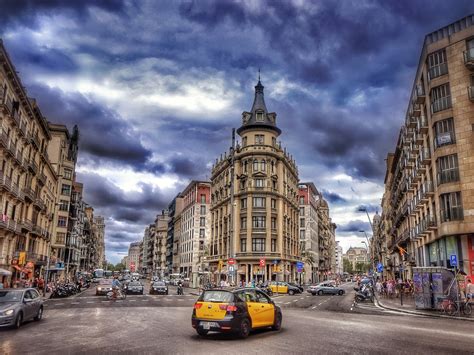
180	287
116	285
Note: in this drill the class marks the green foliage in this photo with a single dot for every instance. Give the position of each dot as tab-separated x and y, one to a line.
347	266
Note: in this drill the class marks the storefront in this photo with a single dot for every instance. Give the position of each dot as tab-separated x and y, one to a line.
439	252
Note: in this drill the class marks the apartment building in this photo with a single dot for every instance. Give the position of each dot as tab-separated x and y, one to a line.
195	229
159	249
254	204
172	238
339	264
28	181
428	214
134	257
357	257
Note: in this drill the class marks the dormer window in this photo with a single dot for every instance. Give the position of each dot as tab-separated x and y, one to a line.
259	116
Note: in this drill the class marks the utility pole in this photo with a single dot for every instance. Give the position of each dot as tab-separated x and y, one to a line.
231	236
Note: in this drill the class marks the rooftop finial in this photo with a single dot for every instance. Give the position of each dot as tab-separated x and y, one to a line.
259	74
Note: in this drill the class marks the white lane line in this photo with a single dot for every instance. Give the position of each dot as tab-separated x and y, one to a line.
146	300
287	302
180	299
132	300
320	303
74	302
59	304
314	307
90	302
295	301
104	301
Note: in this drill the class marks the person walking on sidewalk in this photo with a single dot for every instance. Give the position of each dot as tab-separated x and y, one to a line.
469	290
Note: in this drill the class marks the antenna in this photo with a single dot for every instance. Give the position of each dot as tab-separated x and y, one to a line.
258	74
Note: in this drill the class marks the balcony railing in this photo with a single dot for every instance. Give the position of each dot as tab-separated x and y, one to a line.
453	214
411	122
419	94
441	104
448	176
422	124
416	110
469	58
425	156
33	166
35	140
29	193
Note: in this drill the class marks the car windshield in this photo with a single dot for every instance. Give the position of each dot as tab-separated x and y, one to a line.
10	296
159	283
217	296
105	282
136	283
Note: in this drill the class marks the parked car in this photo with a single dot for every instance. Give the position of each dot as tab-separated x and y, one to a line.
239	311
296	285
19	305
158	287
134	287
284	287
328	288
104	286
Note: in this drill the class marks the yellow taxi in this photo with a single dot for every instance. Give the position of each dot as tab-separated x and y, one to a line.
238	311
278	287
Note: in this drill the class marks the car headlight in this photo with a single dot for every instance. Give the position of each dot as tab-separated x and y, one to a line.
9	312
99	289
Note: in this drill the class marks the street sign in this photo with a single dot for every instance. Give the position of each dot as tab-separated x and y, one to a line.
262	262
231	261
231	268
453	259
276	261
379	267
299	264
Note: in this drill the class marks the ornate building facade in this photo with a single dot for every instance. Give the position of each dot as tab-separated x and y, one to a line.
254	204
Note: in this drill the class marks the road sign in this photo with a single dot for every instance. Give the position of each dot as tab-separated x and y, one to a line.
299	264
379	267
231	268
262	262
453	259
231	261
276	261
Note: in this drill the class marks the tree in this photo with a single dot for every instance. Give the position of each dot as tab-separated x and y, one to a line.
347	266
119	267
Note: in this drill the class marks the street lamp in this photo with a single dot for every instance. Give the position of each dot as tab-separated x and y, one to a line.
364	209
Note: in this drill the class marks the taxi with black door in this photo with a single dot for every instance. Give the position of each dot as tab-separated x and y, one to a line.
238	311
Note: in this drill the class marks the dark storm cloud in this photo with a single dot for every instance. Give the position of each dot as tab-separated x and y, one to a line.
333	197
353	226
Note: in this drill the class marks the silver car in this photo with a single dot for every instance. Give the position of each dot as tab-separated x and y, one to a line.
328	288
19	305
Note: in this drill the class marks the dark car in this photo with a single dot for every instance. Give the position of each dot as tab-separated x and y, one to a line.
158	288
134	287
19	305
239	311
296	285
104	287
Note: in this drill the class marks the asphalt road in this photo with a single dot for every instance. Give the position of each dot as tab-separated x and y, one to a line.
161	324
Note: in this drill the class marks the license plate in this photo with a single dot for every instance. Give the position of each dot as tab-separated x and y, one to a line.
208	325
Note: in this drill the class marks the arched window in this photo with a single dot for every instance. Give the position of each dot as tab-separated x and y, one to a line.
255	165
245	166
264	165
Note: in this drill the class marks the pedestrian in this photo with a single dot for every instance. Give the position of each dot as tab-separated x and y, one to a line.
469	290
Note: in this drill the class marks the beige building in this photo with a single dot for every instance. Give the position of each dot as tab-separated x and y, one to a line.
134	257
339	265
254	204
428	214
159	249
99	225
27	180
356	256
195	229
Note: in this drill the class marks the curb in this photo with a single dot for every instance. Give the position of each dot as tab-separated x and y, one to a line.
422	313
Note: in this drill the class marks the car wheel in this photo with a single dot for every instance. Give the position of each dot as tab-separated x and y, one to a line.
202	332
359	299
277	324
291	292
18	320
244	329
340	293
320	292
313	293
39	315
166	292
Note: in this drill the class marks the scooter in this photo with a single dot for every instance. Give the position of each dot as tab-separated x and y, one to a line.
364	294
180	290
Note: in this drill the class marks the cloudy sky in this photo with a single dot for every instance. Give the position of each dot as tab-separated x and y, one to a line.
156	86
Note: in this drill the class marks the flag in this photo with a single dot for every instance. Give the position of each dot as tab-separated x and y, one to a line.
402	251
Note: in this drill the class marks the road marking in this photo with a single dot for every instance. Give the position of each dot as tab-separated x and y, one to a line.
314	307
132	300
90	302
180	299
295	301
320	303
287	302
74	302
59	304
146	300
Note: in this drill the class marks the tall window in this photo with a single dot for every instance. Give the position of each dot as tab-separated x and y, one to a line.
243	222
274	223
242	184
274	203
60	238
302	222
259	202
274	141
259	139
245	166
62	221
258	244
451	207
65	189
448	170
243	245
258	221
301	200
259	116
244	141
259	183
63	205
202	233
273	167
202	221
440	98
255	165
203	209
264	165
437	64
274	245
302	234
203	198
301	211
68	174
243	203
444	131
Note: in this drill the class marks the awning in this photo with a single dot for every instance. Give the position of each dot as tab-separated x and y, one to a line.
5	272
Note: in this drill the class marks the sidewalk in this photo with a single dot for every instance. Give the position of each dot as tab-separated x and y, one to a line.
408	307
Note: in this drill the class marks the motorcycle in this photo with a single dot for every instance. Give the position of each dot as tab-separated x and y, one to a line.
180	290
363	294
121	295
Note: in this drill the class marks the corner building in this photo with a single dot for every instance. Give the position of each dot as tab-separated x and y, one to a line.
263	223
429	186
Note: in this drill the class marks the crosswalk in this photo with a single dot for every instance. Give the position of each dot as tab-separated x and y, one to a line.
371	307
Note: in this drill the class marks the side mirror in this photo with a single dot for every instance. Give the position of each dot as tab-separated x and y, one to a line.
27	300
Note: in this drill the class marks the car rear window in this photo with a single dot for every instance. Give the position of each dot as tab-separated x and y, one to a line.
217	296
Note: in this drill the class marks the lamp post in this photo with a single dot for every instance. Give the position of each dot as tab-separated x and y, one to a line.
364	209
